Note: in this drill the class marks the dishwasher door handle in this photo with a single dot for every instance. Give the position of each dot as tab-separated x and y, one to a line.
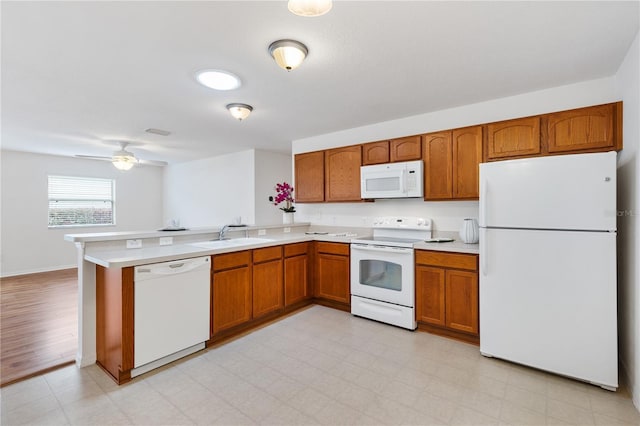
172	268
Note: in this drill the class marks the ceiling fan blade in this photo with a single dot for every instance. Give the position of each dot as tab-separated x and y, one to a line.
152	163
93	157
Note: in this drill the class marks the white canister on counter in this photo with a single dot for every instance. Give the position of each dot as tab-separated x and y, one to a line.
469	232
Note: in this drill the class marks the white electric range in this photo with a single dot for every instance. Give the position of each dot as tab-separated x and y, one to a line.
382	270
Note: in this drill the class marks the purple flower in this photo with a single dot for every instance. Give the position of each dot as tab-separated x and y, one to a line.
284	194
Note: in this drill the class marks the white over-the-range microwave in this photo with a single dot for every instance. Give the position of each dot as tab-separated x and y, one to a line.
392	180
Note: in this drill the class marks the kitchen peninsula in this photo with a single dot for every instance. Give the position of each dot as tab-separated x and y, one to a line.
107	251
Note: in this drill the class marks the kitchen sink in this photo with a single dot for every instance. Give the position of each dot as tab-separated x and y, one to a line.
233	242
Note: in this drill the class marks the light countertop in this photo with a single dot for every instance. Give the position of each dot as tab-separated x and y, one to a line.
120	258
454	246
107	248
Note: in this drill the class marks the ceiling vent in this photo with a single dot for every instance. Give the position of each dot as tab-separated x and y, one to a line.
158	132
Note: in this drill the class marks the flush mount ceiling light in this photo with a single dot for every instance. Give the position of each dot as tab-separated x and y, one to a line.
309	7
218	79
288	54
240	111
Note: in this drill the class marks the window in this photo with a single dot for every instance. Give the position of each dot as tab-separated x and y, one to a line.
77	201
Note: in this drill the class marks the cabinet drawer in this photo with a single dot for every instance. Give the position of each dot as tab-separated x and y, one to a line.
267	253
231	260
295	249
333	248
447	260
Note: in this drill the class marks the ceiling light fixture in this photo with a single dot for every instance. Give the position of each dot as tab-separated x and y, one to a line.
124	162
218	79
288	54
309	8
240	111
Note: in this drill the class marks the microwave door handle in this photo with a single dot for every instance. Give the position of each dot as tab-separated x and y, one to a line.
403	181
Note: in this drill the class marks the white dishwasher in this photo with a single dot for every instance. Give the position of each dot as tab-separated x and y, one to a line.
171	311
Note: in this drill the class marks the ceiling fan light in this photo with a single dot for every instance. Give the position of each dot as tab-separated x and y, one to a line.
309	8
123	162
288	54
240	111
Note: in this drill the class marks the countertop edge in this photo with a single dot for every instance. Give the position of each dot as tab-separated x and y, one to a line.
114	236
143	256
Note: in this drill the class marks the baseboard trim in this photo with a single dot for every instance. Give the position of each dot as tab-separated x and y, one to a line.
37	270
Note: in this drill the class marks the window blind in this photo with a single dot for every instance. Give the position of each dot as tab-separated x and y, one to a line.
80	201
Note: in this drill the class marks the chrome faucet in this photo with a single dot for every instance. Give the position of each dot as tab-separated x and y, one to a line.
222	232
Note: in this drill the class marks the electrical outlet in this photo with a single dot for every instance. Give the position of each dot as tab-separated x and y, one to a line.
262	232
131	244
286	230
166	241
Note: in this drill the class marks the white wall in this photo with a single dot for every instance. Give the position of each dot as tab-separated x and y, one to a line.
214	191
27	244
447	216
628	89
211	191
270	168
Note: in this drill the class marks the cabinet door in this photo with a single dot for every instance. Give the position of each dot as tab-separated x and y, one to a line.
332	281
513	138
375	153
430	291
467	154
438	151
309	175
405	149
267	287
342	173
231	298
462	301
581	129
296	282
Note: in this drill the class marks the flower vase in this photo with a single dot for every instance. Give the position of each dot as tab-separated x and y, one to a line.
287	218
469	232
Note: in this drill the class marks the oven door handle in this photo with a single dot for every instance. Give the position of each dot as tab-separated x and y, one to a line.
381	248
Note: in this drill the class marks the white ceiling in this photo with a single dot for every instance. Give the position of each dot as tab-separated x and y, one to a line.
76	75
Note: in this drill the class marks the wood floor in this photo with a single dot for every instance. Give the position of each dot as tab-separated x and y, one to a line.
38	323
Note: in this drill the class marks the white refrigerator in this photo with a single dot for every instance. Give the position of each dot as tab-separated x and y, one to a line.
548	264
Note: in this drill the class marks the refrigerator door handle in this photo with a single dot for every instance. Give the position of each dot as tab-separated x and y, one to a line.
483	251
484	190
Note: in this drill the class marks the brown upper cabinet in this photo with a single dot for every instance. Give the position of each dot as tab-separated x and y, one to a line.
309	176
405	149
452	161
342	173
375	153
590	129
583	129
513	138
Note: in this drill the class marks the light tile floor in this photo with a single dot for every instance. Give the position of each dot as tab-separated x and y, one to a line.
320	366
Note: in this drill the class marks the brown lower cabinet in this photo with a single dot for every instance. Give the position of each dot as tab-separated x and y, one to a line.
447	294
258	284
231	295
297	270
268	291
332	274
114	321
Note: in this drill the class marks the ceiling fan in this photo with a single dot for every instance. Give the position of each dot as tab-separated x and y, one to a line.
123	159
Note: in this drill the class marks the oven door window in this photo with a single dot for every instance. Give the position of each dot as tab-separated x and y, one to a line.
381	274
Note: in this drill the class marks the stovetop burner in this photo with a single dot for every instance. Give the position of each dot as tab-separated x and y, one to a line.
397	232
